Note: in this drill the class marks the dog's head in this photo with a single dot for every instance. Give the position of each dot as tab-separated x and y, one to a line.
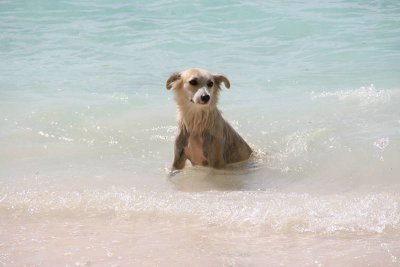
197	86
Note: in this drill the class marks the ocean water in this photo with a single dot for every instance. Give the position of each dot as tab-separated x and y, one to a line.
87	130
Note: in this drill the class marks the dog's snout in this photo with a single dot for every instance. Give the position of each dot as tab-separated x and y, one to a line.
201	97
205	98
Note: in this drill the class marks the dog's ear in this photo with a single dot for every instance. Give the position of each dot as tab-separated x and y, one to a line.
173	78
219	78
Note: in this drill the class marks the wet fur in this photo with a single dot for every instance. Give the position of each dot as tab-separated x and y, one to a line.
204	137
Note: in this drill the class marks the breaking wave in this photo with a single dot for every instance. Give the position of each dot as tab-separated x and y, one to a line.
287	212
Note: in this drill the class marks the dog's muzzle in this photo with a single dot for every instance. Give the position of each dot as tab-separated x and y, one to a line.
202	96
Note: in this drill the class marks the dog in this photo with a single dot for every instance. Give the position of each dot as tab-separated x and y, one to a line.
204	137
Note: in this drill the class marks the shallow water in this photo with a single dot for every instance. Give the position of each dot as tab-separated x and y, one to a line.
87	130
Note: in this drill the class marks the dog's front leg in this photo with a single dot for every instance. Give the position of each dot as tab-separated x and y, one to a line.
212	151
181	142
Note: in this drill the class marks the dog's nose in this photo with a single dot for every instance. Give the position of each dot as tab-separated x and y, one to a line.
205	98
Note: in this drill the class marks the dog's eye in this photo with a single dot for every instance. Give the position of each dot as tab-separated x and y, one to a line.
210	84
193	82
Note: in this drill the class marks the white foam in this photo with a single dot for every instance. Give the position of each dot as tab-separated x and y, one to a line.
365	95
281	212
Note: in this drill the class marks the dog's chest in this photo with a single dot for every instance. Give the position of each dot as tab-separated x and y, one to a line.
194	150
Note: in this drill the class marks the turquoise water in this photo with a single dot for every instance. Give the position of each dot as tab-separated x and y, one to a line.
87	130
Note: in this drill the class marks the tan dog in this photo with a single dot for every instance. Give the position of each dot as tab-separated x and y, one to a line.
204	137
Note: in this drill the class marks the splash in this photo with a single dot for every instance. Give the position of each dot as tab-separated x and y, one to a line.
381	143
292	147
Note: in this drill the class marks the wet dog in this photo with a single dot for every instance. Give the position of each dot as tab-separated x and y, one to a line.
204	137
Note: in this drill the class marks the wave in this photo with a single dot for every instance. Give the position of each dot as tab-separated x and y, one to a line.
280	212
365	95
